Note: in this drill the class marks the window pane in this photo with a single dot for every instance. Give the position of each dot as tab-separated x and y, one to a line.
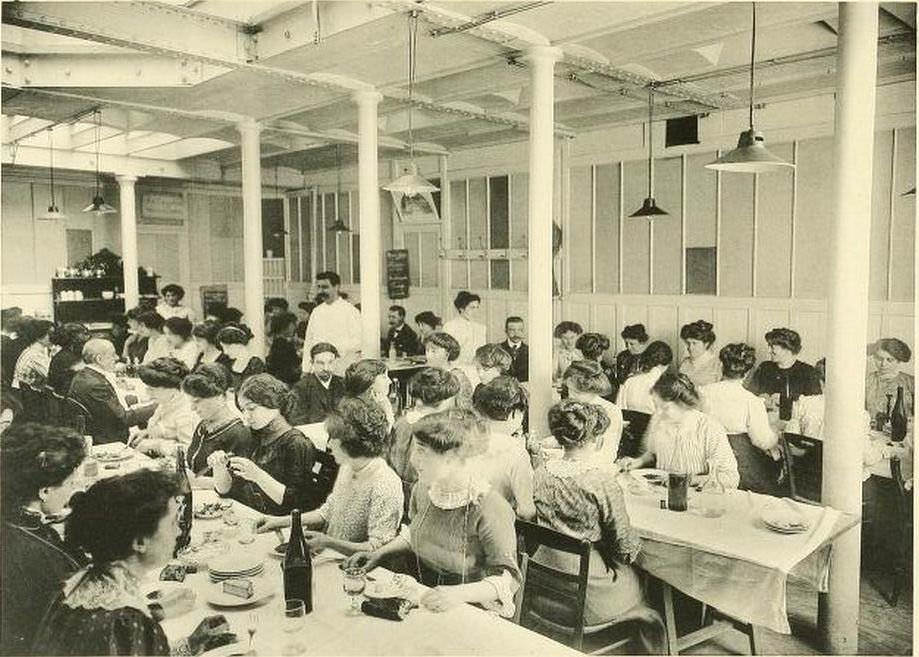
356	259
413	244
498	229
293	212
328	213
500	274
701	271
306	235
344	248
458	236
478	239
429	260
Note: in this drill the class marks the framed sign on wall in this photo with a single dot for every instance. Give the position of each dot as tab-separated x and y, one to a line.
162	208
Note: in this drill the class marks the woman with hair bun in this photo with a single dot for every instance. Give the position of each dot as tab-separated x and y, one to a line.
462	531
635	393
35	360
441	350
219	428
586	382
128	525
178	332
636	340
743	416
234	340
173	422
594	346
578	496
889	355
565	350
682	439
64	364
368	379
784	377
700	364
209	351
40	471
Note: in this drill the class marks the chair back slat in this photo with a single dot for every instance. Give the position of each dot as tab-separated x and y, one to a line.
77	416
632	435
804	464
325	469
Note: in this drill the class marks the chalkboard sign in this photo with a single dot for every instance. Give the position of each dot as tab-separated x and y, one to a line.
397	280
214	295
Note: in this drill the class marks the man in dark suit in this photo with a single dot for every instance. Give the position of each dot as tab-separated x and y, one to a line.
318	391
517	348
95	387
401	335
12	345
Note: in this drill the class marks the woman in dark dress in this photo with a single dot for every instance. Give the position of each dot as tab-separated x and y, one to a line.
70	338
277	475
40	466
129	526
636	339
209	351
283	362
219	428
784	377
234	340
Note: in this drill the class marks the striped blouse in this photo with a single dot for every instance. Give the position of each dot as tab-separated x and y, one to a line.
690	444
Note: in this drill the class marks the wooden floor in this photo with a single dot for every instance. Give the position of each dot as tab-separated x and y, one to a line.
883	630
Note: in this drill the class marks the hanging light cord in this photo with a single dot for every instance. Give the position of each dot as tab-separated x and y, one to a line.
650	142
752	65
51	144
412	42
98	117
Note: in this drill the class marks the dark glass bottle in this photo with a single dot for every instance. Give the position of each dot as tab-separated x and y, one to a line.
298	565
898	418
785	401
186	503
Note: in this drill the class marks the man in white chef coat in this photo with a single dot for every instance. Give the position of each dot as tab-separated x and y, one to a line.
335	321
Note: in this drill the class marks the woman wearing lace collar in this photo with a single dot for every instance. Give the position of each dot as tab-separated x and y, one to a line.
129	527
462	532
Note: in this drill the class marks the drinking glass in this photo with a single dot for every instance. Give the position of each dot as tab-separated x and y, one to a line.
294	622
247	530
354	580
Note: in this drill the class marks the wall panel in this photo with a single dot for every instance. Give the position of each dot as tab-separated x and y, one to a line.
903	254
635	252
701	201
813	222
773	228
880	216
735	255
667	229
458	270
519	224
581	238
607	228
478	236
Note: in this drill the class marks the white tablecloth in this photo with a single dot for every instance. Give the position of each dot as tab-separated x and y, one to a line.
733	562
333	630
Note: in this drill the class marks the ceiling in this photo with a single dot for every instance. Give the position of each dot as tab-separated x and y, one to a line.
173	78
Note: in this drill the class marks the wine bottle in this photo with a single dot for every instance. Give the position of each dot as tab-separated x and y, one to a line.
186	503
898	418
298	565
785	401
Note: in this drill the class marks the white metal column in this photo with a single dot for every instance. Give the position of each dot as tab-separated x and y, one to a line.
847	325
129	240
370	241
252	233
541	60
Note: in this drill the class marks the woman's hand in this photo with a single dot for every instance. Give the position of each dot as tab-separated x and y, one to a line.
218	460
628	463
366	560
265	524
246	469
439	599
315	540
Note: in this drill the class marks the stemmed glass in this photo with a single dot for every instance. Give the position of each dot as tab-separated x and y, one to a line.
252	627
353	582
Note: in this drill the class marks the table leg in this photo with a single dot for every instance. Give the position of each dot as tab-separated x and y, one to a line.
669	619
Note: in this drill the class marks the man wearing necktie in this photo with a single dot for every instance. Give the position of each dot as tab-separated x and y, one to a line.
517	348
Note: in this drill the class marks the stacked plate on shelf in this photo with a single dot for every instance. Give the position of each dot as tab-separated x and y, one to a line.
235	567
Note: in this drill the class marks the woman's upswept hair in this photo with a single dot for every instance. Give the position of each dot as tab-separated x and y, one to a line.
573	423
455	430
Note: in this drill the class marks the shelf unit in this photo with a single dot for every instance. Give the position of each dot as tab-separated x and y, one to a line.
93	309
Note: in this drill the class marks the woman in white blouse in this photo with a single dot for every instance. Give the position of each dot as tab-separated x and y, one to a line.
469	333
177	331
635	393
700	364
743	416
173	422
682	439
586	382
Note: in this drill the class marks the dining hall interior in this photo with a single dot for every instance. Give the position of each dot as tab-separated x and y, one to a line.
601	218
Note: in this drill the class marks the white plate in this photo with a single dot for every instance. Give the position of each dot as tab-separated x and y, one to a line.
260	591
398	586
783	518
650	475
227	650
236	563
113	457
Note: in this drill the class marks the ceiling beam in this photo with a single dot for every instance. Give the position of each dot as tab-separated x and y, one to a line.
25	129
108	70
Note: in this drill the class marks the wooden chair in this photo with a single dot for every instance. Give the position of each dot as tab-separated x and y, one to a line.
323	475
903	549
804	466
568	595
630	445
76	416
55	406
32	403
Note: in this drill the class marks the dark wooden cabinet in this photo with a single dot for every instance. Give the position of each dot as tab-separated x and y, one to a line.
101	297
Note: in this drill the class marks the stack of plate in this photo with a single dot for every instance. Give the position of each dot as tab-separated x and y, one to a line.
783	519
235	567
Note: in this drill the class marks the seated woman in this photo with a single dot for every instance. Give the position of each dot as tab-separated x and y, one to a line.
177	331
209	351
462	532
64	364
368	379
881	385
587	383
442	350
364	510
40	466
743	415
565	351
700	364
578	495
432	390
128	526
150	324
275	478
491	361
219	428
234	340
283	361
636	340
682	439
35	360
784	378
635	393
427	323
173	422
594	346
135	345
502	404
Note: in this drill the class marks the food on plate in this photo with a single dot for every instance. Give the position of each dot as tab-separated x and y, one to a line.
208	510
241	588
174	572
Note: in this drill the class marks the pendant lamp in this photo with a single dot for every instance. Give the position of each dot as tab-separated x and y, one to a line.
411	183
339	226
649	205
53	213
751	155
911	192
99	207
